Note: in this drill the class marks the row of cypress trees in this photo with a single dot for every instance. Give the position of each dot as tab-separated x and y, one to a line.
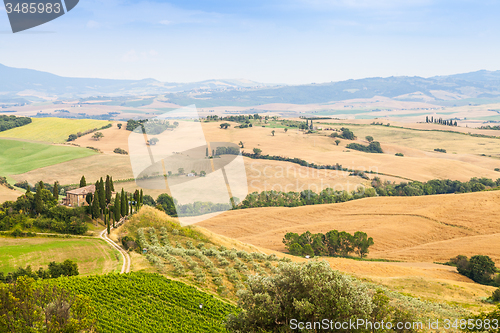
102	205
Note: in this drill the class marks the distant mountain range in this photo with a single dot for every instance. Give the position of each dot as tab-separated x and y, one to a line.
16	82
476	87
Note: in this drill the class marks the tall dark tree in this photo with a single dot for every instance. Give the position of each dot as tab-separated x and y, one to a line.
141	199
117	207
89	198
102	195
108	190
111	183
40	184
55	191
96	208
83	182
124	207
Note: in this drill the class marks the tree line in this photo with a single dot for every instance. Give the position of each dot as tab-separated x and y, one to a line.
73	137
478	268
9	122
379	188
333	243
53	271
373	147
441	121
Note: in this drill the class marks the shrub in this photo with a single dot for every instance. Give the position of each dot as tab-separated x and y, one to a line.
495	297
440	150
300	292
120	151
399	154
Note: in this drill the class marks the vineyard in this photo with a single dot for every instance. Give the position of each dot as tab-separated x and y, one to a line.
145	302
207	266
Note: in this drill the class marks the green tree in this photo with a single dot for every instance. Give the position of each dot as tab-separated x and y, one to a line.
337	142
241	144
83	182
345	243
27	307
102	195
286	129
55	191
96	208
257	151
479	268
111	183
167	203
332	242
347	134
272	132
117	207
108	190
97	136
308	250
301	293
119	126
72	137
296	250
181	171
123	204
224	125
369	138
361	243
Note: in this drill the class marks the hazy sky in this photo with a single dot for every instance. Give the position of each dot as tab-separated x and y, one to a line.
272	41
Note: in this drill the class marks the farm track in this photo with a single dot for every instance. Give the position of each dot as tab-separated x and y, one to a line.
125	255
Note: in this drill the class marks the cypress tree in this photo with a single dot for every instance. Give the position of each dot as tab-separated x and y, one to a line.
95	207
83	182
128	204
40	184
89	198
108	190
111	216
55	191
141	198
102	195
124	206
111	182
117	207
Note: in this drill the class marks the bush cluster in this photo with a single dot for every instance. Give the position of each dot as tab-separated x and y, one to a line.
333	243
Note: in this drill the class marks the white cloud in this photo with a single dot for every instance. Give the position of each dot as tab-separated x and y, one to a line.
166	22
134	56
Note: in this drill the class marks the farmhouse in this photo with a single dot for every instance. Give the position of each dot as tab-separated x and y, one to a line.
76	198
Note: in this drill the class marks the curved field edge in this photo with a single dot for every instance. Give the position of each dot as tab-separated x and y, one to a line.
93	256
147	302
19	157
54	130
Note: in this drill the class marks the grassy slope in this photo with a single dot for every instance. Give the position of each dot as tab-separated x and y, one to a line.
93	256
54	130
18	157
145	302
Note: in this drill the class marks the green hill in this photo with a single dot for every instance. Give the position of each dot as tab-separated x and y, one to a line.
145	302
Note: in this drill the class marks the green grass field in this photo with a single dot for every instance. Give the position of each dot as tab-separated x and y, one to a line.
54	130
19	157
93	255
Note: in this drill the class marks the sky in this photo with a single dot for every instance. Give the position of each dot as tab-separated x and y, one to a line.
272	41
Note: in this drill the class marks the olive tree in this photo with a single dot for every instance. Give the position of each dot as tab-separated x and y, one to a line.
306	293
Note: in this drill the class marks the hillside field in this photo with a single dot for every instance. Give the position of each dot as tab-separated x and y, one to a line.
53	130
93	255
145	302
418	229
19	157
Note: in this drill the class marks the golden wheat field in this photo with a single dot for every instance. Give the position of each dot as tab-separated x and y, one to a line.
418	229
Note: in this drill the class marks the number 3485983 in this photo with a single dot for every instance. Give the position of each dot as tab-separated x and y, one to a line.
33	8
